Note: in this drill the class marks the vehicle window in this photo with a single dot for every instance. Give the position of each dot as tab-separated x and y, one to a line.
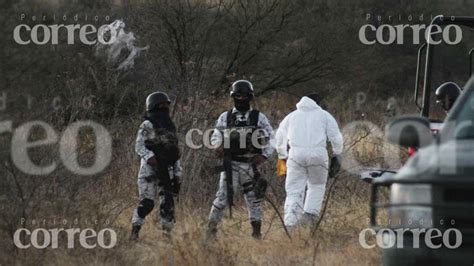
450	63
465	119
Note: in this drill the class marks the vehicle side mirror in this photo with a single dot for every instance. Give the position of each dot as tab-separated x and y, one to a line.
446	95
409	131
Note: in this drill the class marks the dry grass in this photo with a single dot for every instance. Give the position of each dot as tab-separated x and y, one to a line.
335	243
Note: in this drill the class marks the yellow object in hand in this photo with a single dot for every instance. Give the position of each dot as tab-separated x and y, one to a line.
281	167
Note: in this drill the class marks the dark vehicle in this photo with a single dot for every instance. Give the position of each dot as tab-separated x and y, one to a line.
427	217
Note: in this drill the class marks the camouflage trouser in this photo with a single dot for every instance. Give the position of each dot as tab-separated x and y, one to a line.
148	189
242	176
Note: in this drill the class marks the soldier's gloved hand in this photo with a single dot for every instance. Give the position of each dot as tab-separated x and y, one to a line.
259	159
220	151
152	161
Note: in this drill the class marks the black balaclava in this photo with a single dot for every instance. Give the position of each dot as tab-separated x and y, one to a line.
242	105
160	118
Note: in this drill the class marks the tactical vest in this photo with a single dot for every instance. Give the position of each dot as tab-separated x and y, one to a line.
165	146
242	130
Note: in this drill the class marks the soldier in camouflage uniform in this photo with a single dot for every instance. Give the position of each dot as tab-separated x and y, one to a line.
243	160
160	169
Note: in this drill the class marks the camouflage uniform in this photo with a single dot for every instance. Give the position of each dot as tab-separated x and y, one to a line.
242	173
148	186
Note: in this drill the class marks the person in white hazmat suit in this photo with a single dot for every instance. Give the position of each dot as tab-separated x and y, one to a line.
301	141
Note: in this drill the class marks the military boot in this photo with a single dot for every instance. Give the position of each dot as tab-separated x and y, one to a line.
256	227
135	232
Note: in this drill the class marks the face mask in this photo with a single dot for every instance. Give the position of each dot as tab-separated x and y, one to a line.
163	110
242	105
160	118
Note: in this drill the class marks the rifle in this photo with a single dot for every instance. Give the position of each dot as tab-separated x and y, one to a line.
166	154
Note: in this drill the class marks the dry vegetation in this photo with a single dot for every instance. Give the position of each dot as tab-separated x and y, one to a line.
234	246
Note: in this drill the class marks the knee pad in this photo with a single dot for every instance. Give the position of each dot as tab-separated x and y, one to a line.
167	202
145	207
260	188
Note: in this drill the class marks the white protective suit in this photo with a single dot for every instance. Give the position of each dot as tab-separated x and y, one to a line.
305	131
